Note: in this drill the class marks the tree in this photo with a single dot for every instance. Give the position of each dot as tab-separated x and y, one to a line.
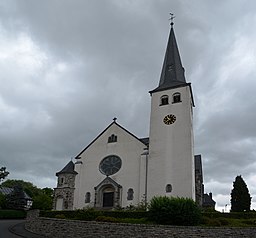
240	196
42	202
3	173
2	201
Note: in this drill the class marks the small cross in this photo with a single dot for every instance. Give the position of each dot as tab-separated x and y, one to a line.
171	18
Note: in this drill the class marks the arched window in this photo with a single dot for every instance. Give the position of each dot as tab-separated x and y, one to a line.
87	197
176	98
60	180
112	138
168	188
130	194
164	100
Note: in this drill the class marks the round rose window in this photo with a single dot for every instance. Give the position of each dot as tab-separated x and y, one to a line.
110	165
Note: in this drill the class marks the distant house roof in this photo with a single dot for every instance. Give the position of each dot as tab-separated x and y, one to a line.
208	201
69	169
7	191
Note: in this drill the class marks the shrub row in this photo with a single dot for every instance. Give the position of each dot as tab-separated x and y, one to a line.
12	214
162	210
233	215
92	214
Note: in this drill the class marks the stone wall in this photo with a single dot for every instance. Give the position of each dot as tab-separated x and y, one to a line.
57	228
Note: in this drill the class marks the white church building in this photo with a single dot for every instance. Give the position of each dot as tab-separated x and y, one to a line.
118	169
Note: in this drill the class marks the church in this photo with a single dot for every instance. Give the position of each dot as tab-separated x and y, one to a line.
118	169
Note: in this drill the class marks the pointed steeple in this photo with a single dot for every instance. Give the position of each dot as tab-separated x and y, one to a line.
68	169
172	72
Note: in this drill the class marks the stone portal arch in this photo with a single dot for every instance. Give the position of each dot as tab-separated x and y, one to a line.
107	194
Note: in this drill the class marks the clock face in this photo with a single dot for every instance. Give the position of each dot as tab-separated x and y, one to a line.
110	165
169	119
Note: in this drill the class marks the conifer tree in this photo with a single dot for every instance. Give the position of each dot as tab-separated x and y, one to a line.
240	196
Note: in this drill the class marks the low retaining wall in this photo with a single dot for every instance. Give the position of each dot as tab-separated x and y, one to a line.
57	228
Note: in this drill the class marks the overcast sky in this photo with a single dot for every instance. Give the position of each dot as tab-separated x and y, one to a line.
68	67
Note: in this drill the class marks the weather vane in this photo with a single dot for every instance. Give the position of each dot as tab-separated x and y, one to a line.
171	18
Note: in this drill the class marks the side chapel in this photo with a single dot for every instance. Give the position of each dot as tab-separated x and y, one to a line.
118	169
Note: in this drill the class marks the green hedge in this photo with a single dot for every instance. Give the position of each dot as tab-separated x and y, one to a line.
92	214
12	214
87	215
233	215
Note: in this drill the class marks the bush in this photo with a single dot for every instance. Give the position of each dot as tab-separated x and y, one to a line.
42	202
174	211
106	219
60	216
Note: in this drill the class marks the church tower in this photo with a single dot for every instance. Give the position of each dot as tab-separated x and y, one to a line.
171	155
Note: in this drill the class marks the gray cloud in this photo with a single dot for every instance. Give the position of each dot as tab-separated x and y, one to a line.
68	67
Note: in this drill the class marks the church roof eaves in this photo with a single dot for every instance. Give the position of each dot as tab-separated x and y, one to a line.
145	140
114	122
163	88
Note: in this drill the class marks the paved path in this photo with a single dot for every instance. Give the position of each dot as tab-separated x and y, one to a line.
15	229
4	228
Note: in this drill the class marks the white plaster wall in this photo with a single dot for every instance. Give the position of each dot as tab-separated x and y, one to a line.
128	148
171	156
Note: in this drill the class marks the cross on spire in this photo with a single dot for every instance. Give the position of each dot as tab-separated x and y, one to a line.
171	18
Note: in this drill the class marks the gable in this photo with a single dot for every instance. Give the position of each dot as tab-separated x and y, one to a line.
106	137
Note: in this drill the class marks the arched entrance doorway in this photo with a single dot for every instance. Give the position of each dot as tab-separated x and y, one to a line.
108	194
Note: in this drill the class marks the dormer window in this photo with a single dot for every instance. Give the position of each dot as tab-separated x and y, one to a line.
176	98
112	139
164	100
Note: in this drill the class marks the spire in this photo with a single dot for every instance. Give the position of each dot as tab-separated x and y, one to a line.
172	72
69	168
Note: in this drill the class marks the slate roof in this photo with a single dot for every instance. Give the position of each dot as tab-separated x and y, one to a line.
172	75
145	140
68	169
6	191
208	201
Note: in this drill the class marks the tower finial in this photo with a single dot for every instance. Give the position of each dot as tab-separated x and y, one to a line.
171	18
